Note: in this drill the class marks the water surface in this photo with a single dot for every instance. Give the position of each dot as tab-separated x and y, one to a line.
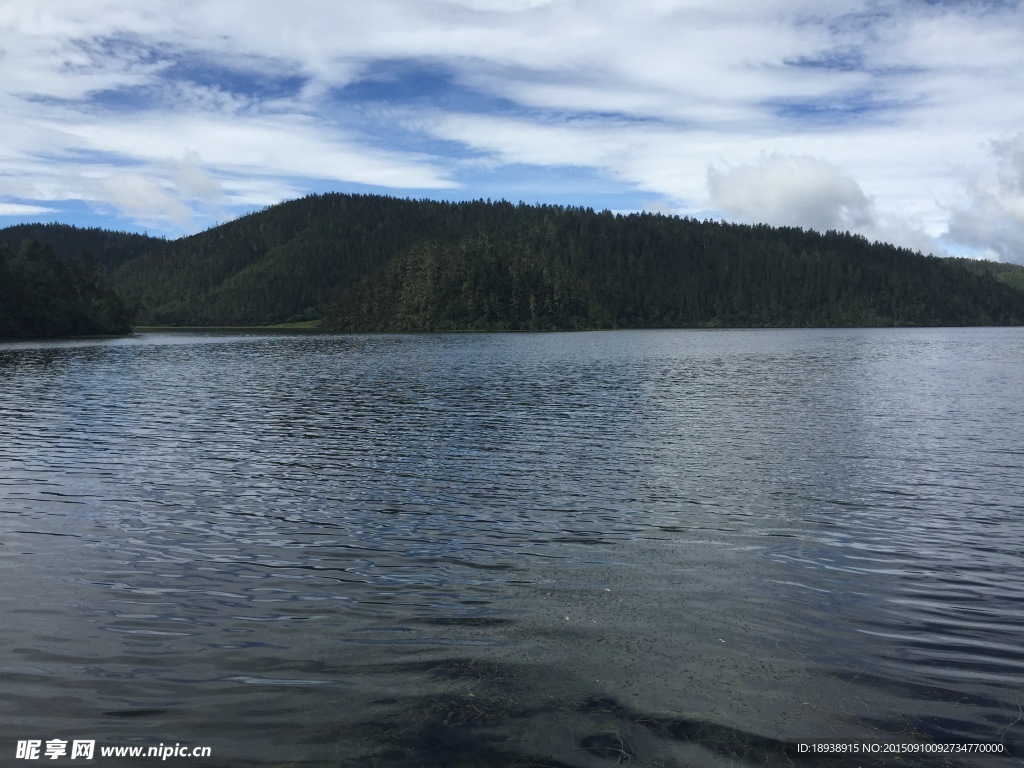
661	548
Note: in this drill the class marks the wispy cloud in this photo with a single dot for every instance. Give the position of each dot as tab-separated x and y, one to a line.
19	209
177	114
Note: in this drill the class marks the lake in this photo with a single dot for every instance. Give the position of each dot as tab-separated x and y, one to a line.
584	549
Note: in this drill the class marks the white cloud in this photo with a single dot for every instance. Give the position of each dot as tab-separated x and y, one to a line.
19	209
192	180
883	99
142	198
807	192
992	216
787	190
782	188
902	231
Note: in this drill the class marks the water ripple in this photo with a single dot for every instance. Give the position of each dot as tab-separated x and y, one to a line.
782	533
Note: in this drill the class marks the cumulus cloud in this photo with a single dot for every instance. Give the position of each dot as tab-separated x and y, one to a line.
808	192
790	190
992	218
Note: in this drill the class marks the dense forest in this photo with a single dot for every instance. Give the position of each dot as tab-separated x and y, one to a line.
599	271
44	296
1011	274
368	263
106	249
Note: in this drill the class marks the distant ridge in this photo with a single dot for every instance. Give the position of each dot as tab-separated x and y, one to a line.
375	263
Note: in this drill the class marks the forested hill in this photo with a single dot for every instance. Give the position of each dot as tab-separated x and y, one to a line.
101	247
365	262
43	296
597	271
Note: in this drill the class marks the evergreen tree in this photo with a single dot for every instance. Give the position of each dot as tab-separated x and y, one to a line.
42	296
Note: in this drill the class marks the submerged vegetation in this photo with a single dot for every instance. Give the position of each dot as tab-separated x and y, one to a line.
374	263
44	296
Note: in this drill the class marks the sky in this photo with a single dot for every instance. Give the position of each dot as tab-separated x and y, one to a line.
902	121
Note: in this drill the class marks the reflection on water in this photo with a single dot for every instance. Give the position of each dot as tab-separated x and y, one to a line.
661	548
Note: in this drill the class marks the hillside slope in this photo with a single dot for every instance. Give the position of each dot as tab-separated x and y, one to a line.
637	273
285	263
366	262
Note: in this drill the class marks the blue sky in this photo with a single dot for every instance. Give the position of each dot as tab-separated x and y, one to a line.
903	121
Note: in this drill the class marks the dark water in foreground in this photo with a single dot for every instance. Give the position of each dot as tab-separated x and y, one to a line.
654	548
